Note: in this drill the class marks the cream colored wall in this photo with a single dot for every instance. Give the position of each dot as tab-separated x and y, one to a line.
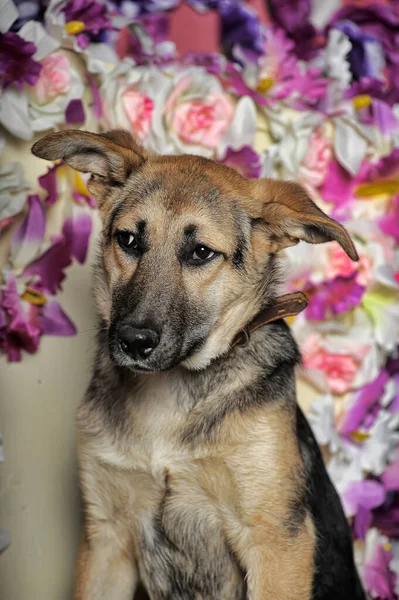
39	499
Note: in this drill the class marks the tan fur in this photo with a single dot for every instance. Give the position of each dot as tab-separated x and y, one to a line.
246	478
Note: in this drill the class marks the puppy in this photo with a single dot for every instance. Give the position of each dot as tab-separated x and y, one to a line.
200	475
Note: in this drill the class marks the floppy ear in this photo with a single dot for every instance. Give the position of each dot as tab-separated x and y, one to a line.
286	214
109	157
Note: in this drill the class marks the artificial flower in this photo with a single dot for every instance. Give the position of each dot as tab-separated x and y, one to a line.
17	65
54	79
13	190
378	22
198	119
245	160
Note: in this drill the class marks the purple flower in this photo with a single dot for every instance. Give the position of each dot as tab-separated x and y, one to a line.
240	26
360	498
75	112
16	63
48	182
24	318
380	580
246	161
22	329
28	237
364	401
54	321
381	23
386	517
334	297
73	243
366	49
293	16
94	16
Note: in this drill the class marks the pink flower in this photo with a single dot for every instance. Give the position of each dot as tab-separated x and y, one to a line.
340	369
315	163
341	265
138	108
55	78
201	119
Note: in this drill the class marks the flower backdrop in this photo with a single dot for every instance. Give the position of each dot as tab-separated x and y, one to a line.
310	97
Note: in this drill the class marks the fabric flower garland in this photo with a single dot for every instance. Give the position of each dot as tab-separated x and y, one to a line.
312	96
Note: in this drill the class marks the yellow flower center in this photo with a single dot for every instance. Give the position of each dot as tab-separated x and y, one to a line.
359	436
74	27
34	297
265	84
362	101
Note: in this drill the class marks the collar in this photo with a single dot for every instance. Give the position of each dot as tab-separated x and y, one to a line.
288	305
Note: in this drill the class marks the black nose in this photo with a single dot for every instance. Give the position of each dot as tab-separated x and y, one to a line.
137	343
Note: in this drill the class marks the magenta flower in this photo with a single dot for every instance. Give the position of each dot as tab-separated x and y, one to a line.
334	297
389	223
22	329
280	72
339	187
16	63
246	161
380	580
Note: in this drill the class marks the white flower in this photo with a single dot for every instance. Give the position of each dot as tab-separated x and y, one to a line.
13	189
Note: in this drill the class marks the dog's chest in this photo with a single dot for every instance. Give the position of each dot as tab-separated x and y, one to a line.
170	503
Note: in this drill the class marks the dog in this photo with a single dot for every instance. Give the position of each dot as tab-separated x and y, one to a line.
200	475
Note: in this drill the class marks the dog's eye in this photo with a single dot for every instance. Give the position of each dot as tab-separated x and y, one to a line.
202	254
127	240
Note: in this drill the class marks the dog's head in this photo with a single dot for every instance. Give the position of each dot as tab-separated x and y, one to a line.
188	246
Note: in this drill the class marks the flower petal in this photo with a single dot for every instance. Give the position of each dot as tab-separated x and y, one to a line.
28	237
54	321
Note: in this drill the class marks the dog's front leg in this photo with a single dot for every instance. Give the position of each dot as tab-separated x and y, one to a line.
277	568
267	522
104	571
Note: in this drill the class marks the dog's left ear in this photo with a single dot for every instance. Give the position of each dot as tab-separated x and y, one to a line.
286	214
109	157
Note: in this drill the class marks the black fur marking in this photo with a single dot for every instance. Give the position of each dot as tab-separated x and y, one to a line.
298	514
336	575
238	256
154	185
190	231
116	212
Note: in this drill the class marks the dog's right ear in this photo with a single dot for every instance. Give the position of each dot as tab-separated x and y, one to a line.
109	157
